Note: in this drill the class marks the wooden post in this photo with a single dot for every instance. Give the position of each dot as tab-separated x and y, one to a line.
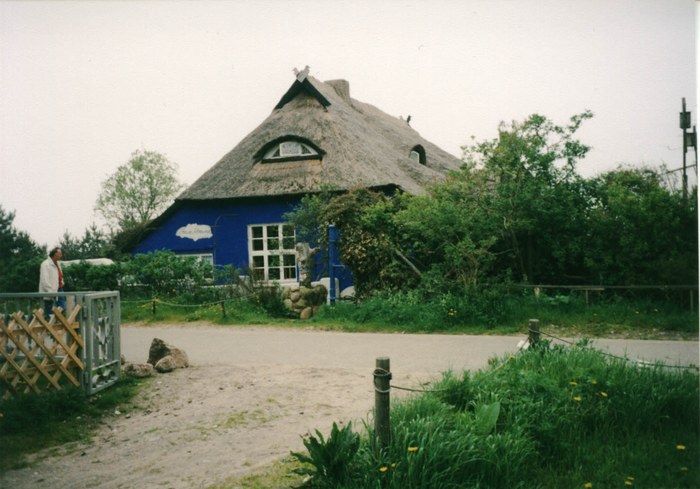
534	331
223	308
382	388
153	307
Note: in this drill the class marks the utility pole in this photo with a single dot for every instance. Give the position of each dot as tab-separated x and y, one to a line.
689	141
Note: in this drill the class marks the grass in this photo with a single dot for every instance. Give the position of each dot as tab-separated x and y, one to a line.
494	314
29	423
549	417
278	475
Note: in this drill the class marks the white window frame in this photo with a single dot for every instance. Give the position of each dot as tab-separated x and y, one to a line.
272	257
205	257
289	149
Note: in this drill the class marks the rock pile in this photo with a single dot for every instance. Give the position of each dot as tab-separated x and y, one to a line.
162	358
304	301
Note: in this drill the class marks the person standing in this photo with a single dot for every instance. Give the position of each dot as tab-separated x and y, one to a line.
51	280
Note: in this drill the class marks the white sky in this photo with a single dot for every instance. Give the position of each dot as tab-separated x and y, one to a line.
84	84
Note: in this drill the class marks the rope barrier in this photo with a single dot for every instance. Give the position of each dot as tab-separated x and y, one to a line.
158	301
380	373
638	362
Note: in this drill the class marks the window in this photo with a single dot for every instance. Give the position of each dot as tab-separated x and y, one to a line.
202	257
417	154
289	149
272	254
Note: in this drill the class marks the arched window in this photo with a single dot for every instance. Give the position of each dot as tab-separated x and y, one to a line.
417	154
289	148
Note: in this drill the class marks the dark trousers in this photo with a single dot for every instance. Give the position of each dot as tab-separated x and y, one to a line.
48	304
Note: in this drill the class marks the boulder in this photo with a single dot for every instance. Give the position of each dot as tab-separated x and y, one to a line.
160	349
138	370
306	313
166	364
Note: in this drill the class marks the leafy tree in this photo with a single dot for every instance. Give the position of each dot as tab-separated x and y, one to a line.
537	197
451	231
641	232
20	257
138	191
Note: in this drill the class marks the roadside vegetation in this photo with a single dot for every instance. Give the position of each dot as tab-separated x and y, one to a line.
564	417
33	422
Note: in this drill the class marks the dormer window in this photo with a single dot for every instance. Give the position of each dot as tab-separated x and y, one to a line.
286	149
417	154
289	148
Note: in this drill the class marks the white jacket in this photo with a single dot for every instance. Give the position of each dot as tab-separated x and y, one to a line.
48	276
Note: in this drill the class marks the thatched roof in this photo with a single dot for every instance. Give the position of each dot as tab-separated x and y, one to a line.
358	144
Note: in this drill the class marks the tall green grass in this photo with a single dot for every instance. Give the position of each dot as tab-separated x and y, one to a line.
546	418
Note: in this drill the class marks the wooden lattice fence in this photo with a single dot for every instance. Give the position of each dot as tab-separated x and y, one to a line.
79	349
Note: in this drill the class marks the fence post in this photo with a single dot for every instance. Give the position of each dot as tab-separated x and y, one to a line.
223	308
153	307
533	331
382	388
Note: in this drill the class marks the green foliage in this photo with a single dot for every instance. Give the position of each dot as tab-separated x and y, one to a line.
506	311
640	231
83	276
331	460
32	422
20	257
138	191
93	244
165	274
547	417
516	211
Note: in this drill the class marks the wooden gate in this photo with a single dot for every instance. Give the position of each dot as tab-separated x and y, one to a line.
80	349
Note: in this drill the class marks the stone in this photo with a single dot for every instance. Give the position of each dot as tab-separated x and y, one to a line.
138	370
160	349
166	364
306	313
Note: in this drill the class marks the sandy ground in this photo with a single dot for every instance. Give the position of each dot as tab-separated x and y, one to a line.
249	396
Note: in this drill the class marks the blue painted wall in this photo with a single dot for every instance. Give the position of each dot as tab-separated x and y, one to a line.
229	222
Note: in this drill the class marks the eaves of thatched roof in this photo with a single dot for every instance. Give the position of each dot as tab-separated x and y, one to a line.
359	146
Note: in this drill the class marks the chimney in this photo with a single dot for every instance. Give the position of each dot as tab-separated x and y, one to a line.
342	88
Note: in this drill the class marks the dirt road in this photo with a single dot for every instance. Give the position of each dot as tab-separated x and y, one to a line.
251	392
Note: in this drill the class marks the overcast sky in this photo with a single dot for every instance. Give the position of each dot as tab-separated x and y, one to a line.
84	84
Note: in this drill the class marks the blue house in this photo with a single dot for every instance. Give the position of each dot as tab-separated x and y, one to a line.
317	137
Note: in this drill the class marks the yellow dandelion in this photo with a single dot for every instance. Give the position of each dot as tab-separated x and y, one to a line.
603	394
630	478
594	382
628	483
573	382
412	449
393	466
383	469
577	399
680	447
684	469
588	485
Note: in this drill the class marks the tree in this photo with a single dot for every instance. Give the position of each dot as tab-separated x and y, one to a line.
537	195
138	191
20	257
93	244
641	232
